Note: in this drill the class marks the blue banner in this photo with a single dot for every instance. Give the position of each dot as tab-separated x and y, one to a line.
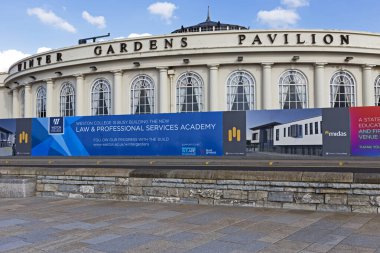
182	134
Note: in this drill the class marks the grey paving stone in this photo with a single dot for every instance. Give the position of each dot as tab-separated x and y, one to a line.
101	238
216	247
13	245
241	237
326	224
366	241
343	231
255	246
124	243
309	235
202	219
81	225
285	218
165	214
150	225
39	235
230	230
11	222
183	236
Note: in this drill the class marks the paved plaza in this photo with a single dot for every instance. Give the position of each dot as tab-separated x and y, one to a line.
77	225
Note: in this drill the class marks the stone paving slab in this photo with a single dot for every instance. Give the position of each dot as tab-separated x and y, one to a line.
94	226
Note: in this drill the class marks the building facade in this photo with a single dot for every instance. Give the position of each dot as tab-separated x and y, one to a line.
217	68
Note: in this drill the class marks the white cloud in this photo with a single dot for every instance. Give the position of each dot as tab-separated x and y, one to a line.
99	21
50	18
164	9
43	49
278	18
295	3
134	35
8	57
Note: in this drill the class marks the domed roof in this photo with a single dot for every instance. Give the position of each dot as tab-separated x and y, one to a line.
209	26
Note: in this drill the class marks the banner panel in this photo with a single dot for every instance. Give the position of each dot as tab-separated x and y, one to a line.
234	133
365	131
7	137
336	131
185	134
284	132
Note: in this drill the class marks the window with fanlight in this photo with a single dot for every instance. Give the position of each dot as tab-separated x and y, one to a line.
67	100
143	95
293	90
377	91
189	93
101	97
41	102
240	91
342	89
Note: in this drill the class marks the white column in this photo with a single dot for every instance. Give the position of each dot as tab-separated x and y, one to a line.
173	91
268	95
80	97
49	98
117	92
368	90
320	93
213	90
164	92
15	104
28	102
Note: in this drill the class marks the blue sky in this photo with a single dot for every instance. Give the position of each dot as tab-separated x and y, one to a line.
30	26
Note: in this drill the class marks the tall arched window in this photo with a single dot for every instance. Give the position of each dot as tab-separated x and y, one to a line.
101	97
41	102
142	99
22	103
377	91
67	100
240	91
293	90
189	93
342	89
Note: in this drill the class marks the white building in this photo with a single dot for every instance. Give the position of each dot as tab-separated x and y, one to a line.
299	133
207	67
299	137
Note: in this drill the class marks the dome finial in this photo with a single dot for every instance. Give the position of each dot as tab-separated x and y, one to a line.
208	14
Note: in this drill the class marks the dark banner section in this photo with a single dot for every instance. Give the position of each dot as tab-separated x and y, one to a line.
336	132
234	133
15	137
365	131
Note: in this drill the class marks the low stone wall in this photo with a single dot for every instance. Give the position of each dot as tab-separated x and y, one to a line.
17	187
347	192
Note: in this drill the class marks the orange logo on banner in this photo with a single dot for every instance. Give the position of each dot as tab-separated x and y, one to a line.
23	137
234	133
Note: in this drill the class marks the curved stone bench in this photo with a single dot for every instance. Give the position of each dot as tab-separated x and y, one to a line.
17	187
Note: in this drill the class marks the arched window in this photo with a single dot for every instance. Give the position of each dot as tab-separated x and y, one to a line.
240	91
342	89
67	100
22	103
377	91
142	99
101	97
293	90
189	93
41	102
